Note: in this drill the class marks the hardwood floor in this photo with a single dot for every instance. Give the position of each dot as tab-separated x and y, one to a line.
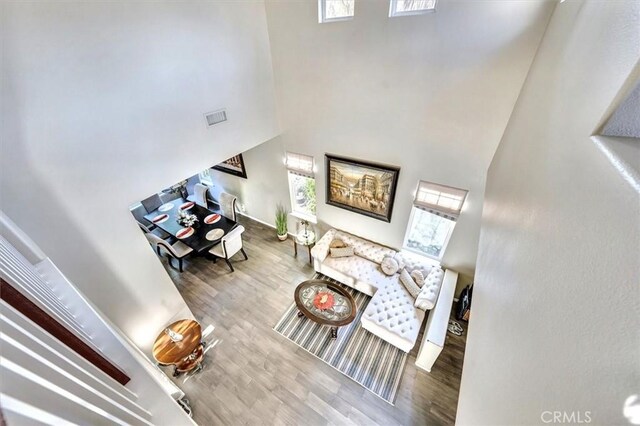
256	376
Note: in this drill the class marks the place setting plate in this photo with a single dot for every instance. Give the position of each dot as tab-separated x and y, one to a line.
212	218
165	207
187	206
214	234
161	218
185	233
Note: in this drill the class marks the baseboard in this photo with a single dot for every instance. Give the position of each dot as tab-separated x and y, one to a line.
256	219
259	221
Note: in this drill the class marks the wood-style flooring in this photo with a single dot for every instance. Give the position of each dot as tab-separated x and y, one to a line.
256	376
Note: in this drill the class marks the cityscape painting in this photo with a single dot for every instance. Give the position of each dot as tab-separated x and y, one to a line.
233	166
362	187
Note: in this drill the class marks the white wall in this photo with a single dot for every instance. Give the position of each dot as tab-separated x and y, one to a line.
430	93
555	323
266	184
102	105
149	386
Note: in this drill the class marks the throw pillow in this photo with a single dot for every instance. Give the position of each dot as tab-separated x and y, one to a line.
389	265
418	277
341	251
429	294
409	283
337	243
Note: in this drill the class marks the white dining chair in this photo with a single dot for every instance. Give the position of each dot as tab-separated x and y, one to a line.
229	245
200	194
154	230
177	250
228	205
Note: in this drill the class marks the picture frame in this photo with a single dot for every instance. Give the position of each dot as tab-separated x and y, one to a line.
233	166
361	186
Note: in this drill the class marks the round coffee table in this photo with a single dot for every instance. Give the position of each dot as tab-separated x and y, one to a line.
325	303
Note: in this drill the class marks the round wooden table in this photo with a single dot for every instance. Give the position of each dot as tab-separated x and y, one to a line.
168	352
325	303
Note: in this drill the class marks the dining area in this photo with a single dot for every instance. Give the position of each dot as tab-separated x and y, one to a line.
179	224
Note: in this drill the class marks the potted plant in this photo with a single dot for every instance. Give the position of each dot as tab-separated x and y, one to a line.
281	222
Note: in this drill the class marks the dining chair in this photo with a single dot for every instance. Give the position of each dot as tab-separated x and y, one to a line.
152	203
200	194
191	183
229	245
177	250
166	197
228	205
154	231
139	212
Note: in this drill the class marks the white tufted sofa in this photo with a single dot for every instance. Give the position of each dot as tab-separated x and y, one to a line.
391	314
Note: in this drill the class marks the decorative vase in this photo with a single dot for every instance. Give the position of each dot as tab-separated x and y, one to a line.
283	237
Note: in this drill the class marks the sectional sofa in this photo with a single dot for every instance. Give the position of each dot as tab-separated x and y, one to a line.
391	314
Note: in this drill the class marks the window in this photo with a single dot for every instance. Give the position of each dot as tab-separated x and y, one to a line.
205	177
335	10
302	184
411	7
435	211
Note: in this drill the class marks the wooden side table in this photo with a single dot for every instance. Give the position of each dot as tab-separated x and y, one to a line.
178	353
308	243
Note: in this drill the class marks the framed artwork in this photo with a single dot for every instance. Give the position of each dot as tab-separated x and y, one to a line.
233	166
360	186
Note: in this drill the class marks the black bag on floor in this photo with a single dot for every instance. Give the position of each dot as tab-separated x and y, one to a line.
464	303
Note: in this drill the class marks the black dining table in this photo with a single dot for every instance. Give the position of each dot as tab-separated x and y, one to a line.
198	241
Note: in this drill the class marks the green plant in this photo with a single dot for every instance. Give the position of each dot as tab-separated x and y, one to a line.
281	219
310	193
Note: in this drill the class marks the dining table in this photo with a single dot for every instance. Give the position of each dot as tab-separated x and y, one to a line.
200	241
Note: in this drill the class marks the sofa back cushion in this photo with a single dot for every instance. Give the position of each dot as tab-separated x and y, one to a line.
364	248
415	263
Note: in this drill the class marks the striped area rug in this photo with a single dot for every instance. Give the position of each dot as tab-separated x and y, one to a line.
358	354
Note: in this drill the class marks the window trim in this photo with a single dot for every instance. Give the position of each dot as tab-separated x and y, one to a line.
408	231
322	18
393	13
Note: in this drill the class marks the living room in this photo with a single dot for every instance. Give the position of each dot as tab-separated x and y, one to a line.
435	137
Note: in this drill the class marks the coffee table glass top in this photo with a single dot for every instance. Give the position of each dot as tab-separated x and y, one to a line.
325	302
306	238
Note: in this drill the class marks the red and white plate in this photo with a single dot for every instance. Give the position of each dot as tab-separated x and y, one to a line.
188	205
185	233
212	218
160	219
214	234
165	207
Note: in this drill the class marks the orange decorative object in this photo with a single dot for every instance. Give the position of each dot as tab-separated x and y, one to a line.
323	300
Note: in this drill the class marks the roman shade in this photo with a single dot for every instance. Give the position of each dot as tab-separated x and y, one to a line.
299	164
445	201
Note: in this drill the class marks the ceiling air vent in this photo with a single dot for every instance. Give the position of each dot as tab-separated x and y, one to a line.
216	117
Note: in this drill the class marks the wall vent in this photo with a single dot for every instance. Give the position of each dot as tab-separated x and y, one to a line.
216	117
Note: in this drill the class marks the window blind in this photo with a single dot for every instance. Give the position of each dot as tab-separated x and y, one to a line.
441	200
300	164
